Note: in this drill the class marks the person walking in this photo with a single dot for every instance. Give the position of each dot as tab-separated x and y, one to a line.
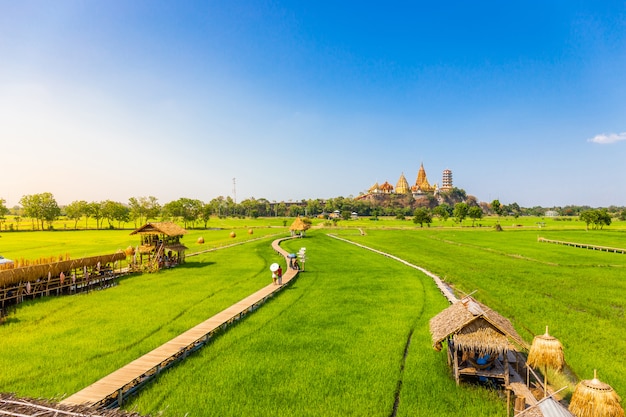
274	268
279	273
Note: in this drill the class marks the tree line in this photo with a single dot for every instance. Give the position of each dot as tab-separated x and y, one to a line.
42	210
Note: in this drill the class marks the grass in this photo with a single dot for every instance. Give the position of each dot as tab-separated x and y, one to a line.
56	346
332	344
577	292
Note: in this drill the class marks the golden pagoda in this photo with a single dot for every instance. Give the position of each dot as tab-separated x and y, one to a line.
402	187
421	184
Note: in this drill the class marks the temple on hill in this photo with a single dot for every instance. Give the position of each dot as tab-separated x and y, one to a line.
421	186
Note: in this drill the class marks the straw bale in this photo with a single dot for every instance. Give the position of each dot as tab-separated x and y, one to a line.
593	398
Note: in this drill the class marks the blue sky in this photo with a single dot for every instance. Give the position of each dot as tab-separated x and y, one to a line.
525	101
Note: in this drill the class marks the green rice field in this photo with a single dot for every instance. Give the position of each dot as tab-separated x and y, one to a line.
348	337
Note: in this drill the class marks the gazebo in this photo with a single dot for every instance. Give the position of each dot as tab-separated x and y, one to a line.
161	243
478	340
298	227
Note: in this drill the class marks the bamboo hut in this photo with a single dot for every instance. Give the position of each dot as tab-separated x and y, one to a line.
298	227
594	398
160	243
479	341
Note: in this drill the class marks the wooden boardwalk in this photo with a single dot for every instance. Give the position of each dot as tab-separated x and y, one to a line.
583	245
111	390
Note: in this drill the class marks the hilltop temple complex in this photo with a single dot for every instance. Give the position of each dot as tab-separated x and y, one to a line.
421	186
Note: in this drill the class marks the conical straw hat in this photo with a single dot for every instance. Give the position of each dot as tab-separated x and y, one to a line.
546	351
594	398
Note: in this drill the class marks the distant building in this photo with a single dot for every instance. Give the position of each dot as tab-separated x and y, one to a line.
446	184
420	188
402	187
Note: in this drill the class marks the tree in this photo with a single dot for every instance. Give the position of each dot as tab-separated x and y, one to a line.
205	213
41	207
598	218
475	213
144	208
3	210
443	210
295	210
75	210
95	210
460	211
496	207
422	215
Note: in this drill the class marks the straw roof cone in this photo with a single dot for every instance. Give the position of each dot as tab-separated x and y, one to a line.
546	352
594	398
298	225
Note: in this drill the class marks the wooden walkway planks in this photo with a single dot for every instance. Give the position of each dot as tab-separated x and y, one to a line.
113	388
583	245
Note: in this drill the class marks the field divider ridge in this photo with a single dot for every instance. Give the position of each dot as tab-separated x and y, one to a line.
443	287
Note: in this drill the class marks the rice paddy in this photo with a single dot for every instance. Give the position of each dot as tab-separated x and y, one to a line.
334	342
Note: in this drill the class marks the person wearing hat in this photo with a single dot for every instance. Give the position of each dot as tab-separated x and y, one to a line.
274	268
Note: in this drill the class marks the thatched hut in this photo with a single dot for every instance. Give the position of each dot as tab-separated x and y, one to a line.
479	340
298	227
161	243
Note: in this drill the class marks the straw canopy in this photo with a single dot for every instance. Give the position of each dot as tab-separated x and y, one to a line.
298	225
474	326
546	352
165	228
594	398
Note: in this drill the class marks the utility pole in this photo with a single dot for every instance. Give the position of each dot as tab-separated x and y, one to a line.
234	191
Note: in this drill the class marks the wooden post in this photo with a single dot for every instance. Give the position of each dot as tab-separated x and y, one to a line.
520	405
455	359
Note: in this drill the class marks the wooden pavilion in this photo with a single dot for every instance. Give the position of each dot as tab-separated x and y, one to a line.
160	243
478	340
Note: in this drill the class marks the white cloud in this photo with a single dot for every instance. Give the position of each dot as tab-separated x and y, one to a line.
606	138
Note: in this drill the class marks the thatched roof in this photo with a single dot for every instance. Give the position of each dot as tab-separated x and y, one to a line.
474	326
13	406
30	273
161	228
298	224
594	398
